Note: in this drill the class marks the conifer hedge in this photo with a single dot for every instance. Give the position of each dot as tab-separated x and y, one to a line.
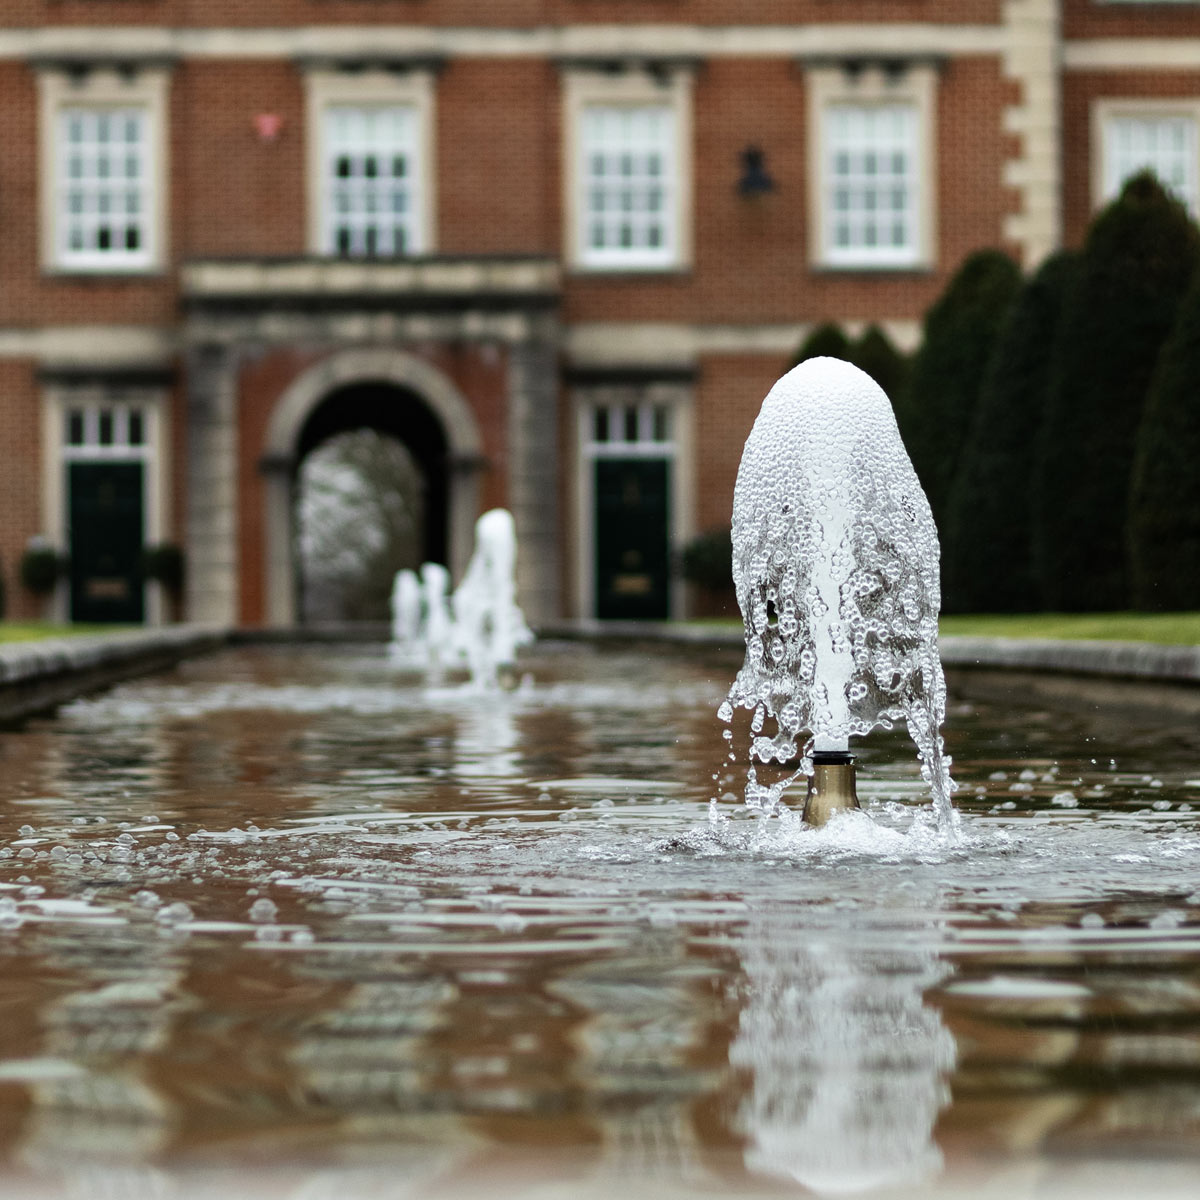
986	552
874	353
827	340
943	386
1164	515
1137	261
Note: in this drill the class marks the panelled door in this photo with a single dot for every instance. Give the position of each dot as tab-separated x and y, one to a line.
106	523
632	461
632	543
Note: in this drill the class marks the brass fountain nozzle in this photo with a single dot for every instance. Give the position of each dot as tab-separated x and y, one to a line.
830	787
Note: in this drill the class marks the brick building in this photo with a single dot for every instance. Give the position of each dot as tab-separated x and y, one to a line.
560	248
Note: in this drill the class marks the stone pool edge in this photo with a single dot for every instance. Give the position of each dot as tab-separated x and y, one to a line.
37	676
1150	661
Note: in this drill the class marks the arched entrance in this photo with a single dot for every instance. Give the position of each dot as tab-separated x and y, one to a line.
398	395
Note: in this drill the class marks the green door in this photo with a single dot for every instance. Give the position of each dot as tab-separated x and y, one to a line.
106	542
632	543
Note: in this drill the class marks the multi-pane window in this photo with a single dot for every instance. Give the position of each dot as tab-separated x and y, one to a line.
104	180
627	186
102	430
631	428
1166	144
870	186
372	188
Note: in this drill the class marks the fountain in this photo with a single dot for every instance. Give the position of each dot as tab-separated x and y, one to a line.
835	560
480	626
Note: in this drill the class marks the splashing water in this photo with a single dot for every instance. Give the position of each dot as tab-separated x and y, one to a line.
437	622
489	626
835	560
406	615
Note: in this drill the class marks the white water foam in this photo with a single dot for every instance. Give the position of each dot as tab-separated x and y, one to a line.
835	559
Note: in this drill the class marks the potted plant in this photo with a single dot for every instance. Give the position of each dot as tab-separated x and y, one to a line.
41	567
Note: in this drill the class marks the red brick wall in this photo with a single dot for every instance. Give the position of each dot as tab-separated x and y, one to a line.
495	177
1081	89
1087	19
20	477
236	194
729	393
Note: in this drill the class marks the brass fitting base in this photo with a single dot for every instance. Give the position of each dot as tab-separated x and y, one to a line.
830	787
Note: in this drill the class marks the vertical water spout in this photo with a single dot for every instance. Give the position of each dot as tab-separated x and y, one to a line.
835	560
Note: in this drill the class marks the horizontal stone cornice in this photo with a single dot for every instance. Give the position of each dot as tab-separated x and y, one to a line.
376	42
423	283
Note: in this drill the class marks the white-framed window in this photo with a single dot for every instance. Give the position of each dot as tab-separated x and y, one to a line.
872	184
630	428
627	146
104	174
96	429
104	187
371	192
1167	142
871	160
627	184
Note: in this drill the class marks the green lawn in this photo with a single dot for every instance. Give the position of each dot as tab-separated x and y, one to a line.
1170	628
31	631
1173	628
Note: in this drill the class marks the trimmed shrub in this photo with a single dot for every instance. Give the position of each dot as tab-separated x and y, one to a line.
707	559
41	567
875	354
1137	262
987	553
164	562
825	340
943	387
1164	507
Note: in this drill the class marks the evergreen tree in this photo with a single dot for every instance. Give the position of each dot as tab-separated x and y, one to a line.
943	387
875	354
987	552
1164	511
1137	261
827	340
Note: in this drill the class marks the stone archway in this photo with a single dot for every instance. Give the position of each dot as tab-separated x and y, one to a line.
407	376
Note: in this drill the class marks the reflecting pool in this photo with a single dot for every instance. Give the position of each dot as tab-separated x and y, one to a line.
289	919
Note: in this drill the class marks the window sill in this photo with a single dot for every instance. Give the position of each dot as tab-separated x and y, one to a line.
918	269
579	270
108	272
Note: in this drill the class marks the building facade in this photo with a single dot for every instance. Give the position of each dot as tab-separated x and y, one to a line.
560	248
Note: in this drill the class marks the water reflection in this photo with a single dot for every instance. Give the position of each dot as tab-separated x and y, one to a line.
848	1062
97	1116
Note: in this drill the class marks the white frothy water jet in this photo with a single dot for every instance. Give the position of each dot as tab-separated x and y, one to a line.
835	560
437	622
489	627
406	615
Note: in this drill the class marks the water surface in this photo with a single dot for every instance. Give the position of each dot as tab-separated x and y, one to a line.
288	916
